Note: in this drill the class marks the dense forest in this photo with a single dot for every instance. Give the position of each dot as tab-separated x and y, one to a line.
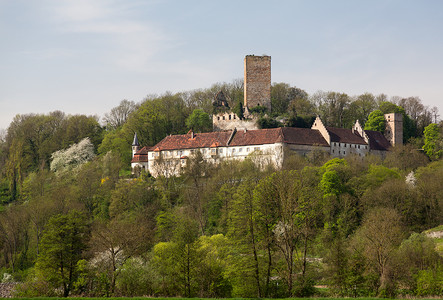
75	221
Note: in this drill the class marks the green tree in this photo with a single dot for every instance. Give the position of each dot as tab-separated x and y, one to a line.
62	245
433	146
377	239
199	121
115	242
415	255
244	268
332	107
361	107
376	121
287	222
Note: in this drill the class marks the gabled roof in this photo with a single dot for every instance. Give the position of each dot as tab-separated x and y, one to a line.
257	137
343	135
141	155
303	136
377	141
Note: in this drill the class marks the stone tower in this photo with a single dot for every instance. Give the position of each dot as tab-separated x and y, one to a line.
394	128
257	81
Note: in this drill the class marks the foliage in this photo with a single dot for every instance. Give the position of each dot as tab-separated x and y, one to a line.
376	121
433	146
74	156
61	248
260	110
267	122
238	110
233	229
199	121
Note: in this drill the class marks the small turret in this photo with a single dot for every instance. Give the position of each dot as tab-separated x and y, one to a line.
135	145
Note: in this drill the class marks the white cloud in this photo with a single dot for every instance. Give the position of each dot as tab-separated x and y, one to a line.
127	41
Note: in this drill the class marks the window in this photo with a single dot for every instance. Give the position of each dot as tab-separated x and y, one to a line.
233	150
247	149
192	151
223	117
335	144
229	117
218	118
240	150
220	150
358	146
234	116
344	152
256	148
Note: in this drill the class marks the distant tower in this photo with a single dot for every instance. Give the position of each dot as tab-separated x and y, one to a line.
135	145
394	128
257	81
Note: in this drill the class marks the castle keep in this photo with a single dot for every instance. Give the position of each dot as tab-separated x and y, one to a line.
257	81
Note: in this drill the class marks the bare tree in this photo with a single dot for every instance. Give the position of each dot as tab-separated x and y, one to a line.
119	114
435	115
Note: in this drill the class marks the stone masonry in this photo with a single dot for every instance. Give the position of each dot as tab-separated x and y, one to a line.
394	128
257	82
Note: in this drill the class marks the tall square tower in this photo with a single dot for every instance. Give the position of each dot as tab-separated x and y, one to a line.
394	128
257	82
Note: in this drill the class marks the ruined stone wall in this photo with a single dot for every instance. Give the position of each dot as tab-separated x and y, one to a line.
229	121
257	82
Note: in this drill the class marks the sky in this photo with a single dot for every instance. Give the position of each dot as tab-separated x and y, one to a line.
84	57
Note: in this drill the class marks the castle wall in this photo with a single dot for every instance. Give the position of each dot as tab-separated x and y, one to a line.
344	149
230	121
304	150
257	82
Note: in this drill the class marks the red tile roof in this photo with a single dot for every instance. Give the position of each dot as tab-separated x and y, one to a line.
200	140
257	137
343	135
289	135
141	155
377	141
303	136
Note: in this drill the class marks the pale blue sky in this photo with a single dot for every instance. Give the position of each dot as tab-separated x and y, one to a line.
83	56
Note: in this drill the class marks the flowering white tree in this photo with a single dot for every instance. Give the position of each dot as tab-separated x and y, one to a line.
74	156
